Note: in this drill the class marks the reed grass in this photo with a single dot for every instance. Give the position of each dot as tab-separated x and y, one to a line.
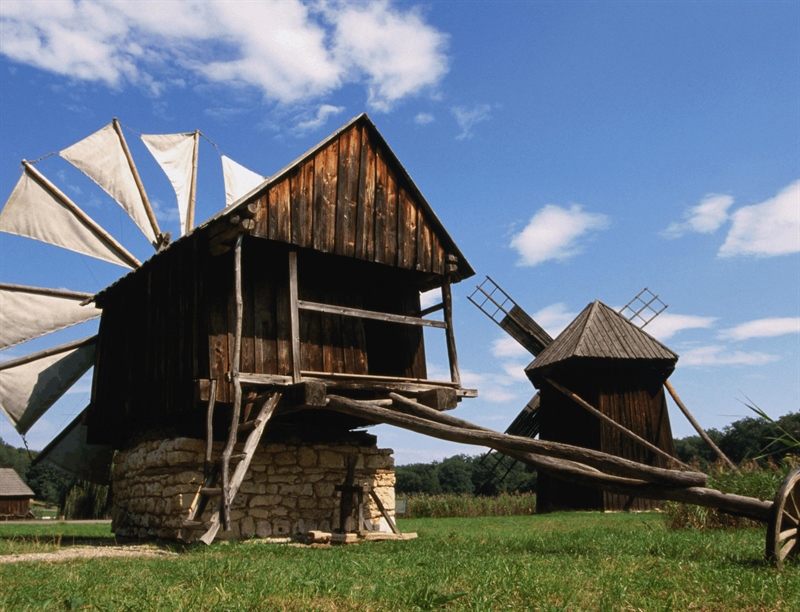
469	506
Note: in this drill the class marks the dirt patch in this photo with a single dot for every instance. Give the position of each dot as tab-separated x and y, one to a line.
91	552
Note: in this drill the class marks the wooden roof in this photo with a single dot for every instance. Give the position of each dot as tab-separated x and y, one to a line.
349	195
600	332
11	485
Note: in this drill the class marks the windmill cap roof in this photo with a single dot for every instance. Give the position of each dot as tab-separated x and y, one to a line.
11	485
600	332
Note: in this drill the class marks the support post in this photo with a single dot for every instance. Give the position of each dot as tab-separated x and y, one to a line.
294	317
447	300
699	429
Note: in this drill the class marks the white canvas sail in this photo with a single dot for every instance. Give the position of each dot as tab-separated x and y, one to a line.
30	312
29	389
238	180
175	154
70	453
39	212
102	158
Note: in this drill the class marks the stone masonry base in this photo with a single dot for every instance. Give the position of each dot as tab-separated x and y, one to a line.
288	490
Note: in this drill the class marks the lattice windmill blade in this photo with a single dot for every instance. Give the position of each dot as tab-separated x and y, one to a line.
643	308
495	303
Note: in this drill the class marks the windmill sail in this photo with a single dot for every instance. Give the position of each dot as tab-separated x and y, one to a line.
30	312
238	180
39	210
102	157
29	386
177	154
70	453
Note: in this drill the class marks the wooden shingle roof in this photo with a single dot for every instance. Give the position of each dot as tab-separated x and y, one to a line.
11	485
600	332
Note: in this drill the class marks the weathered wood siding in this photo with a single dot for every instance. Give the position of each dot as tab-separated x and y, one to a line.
347	200
11	506
172	322
632	397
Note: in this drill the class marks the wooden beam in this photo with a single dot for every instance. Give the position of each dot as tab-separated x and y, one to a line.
294	317
452	356
139	185
78	295
609	421
699	429
368	314
505	442
87	221
63	348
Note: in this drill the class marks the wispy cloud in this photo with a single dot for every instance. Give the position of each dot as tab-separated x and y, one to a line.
324	112
424	119
668	324
705	218
508	347
555	232
554	318
720	356
766	229
763	328
468	118
291	51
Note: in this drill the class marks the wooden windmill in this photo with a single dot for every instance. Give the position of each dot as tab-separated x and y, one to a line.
309	283
602	372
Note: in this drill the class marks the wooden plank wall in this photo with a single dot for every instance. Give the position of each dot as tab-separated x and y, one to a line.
347	200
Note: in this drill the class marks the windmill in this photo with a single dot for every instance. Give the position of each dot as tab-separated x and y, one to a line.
493	301
40	210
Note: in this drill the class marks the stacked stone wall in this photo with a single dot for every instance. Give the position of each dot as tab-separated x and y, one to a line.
288	490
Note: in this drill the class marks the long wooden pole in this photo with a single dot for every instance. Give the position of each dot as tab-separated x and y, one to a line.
608	420
64	293
505	442
294	317
139	185
193	187
87	221
452	356
699	429
578	473
237	386
63	348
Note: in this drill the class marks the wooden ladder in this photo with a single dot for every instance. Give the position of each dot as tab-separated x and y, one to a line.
219	482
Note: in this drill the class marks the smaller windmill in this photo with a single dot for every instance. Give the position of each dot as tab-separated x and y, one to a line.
597	353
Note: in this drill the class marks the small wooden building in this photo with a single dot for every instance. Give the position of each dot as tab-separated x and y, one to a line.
15	495
620	370
333	251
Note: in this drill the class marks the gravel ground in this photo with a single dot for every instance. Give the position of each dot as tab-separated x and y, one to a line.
91	552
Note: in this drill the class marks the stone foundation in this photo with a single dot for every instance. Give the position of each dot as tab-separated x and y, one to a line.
288	490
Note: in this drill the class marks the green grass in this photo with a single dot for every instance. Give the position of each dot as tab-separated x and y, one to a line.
469	506
569	562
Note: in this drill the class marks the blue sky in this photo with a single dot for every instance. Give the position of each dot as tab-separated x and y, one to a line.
574	150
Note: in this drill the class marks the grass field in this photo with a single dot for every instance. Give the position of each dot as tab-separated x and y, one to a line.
577	561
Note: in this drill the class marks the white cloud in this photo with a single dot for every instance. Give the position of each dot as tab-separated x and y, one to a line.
668	324
763	328
493	388
767	229
704	218
430	298
508	347
324	112
291	51
554	318
468	118
554	233
424	119
718	355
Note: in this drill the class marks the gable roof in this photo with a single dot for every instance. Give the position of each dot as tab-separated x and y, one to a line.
348	195
600	332
11	485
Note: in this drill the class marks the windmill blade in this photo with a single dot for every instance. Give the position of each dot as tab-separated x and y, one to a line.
105	158
70	452
177	156
30	312
239	181
495	303
30	385
38	209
